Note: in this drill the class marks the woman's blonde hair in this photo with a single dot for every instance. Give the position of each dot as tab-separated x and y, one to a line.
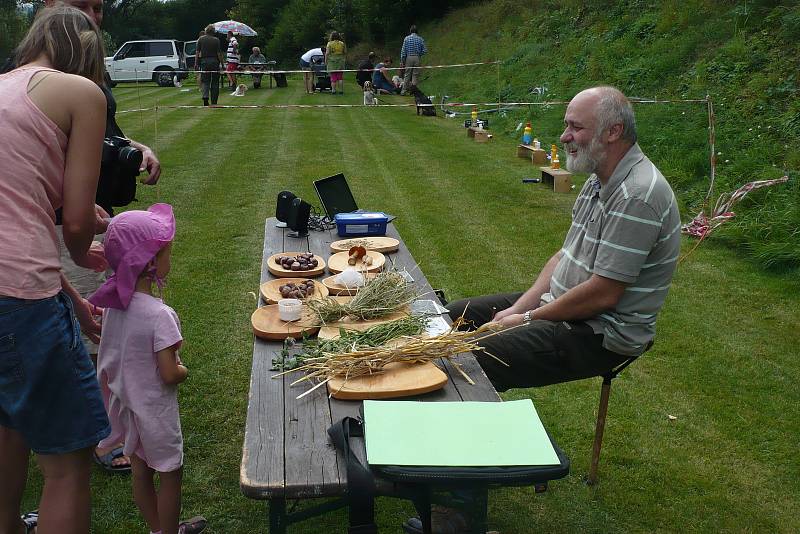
70	41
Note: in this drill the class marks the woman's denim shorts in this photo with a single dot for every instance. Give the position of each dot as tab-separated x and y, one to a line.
48	387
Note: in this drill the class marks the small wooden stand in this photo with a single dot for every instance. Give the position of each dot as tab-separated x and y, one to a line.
559	179
536	155
471	131
482	136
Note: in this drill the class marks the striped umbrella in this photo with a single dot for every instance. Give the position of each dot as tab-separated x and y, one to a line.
239	28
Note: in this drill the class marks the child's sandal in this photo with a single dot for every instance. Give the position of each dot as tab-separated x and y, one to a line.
192	526
30	520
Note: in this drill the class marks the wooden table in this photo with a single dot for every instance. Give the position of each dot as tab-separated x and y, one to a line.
286	452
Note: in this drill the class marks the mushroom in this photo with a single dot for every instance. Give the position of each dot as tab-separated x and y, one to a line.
355	253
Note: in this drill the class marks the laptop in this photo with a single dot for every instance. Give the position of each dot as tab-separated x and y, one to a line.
335	196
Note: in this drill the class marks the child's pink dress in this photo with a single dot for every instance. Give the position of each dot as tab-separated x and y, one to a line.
143	409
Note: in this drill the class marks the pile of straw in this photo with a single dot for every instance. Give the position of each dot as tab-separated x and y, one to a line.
387	293
361	361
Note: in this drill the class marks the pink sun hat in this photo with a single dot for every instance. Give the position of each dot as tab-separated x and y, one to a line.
133	239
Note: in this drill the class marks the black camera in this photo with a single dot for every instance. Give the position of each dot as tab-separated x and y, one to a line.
118	170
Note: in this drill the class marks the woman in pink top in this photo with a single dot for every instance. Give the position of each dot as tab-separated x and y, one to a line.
53	118
138	365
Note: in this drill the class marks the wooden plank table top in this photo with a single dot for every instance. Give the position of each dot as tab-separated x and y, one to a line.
286	452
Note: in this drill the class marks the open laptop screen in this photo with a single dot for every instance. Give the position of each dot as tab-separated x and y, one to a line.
335	195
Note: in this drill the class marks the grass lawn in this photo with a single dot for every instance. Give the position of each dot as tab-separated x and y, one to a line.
724	363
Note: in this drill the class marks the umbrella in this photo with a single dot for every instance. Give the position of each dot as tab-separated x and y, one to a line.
239	28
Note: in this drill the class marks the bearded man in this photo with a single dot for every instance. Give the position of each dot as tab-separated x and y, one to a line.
595	302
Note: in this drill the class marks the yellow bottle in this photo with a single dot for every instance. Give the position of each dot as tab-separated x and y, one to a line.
554	163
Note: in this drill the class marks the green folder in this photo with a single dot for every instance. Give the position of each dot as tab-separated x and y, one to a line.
456	434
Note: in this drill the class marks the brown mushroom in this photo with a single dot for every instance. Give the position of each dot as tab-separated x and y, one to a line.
355	253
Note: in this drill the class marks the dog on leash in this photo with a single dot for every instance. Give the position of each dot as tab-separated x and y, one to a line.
241	89
369	95
424	104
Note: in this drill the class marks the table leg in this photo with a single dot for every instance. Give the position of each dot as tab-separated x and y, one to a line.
479	511
277	516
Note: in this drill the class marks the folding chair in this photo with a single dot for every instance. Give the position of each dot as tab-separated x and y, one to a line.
602	411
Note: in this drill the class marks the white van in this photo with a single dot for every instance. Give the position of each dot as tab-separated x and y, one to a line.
159	60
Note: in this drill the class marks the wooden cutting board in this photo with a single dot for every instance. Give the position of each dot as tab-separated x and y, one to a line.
331	330
275	268
335	288
338	262
399	379
378	244
267	324
271	293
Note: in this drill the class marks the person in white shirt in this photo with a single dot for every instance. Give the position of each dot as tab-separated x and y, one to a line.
305	65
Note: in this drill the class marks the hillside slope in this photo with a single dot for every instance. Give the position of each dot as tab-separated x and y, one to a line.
744	55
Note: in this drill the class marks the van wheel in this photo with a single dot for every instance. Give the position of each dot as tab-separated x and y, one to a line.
109	82
163	77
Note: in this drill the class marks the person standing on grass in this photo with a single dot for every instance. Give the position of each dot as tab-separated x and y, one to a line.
335	52
138	364
594	304
53	116
305	66
210	59
80	282
233	59
413	49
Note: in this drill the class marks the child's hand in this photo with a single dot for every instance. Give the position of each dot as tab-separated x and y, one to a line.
170	368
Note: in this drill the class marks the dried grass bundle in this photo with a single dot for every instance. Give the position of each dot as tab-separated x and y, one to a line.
381	296
361	361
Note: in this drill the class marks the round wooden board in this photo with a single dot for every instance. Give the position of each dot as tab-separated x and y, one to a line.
280	272
267	324
378	244
399	379
270	292
339	289
338	262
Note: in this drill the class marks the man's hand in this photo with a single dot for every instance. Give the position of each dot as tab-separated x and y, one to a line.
86	312
101	218
503	314
507	321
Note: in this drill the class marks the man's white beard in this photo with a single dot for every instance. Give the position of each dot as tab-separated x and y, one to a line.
587	159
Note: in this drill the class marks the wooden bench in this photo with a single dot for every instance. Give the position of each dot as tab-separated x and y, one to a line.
559	179
537	155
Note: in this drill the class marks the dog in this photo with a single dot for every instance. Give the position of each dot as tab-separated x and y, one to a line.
369	95
424	104
241	89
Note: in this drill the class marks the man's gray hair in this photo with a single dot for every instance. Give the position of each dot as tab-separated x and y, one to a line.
614	107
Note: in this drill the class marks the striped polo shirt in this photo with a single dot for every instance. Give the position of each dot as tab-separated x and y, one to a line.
627	230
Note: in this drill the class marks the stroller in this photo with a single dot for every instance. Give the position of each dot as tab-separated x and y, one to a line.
322	80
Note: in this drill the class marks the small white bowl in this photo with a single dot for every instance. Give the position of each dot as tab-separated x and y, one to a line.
289	309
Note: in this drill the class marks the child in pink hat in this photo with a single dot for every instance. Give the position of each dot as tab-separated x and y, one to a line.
138	365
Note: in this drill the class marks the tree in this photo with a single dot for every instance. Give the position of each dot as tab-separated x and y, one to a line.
12	27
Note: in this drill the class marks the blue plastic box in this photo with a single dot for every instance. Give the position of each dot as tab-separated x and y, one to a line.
361	224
